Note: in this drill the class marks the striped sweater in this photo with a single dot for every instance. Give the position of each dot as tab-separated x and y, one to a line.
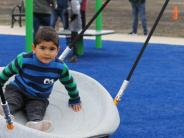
37	79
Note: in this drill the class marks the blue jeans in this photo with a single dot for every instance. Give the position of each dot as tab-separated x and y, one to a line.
63	16
139	9
40	20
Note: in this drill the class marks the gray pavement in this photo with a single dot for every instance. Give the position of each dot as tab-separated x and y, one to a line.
114	37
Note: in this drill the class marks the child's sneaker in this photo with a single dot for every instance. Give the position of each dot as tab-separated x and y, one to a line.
44	125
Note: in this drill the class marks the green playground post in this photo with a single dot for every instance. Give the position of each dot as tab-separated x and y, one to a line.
80	47
29	24
98	24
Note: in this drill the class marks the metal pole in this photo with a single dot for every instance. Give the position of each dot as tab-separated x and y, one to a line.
29	24
125	82
98	24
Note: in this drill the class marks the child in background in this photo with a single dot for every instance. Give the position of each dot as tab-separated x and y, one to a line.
36	73
75	24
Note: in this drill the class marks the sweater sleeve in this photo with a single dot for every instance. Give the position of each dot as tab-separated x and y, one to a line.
67	80
13	68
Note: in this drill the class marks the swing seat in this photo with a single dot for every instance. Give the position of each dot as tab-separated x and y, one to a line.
98	117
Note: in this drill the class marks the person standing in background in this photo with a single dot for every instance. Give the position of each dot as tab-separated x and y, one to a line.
75	24
42	10
138	8
60	12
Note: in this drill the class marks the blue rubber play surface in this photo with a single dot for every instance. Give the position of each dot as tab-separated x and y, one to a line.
153	103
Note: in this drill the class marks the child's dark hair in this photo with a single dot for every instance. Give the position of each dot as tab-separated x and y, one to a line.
46	33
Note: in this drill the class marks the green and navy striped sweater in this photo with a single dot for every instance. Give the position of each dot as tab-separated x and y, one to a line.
37	79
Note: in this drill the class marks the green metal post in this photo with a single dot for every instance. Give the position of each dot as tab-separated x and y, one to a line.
98	24
80	47
29	24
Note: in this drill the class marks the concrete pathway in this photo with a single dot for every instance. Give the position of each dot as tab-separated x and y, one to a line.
115	37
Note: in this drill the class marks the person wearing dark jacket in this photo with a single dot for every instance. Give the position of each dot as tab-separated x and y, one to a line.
138	8
42	10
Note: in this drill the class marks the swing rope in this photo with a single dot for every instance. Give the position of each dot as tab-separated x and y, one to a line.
125	82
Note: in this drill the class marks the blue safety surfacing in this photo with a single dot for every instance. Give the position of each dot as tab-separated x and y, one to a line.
153	103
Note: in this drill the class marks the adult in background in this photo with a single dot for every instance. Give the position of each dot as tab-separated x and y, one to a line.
60	12
42	10
138	8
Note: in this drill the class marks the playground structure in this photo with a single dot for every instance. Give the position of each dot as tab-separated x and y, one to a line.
102	120
92	33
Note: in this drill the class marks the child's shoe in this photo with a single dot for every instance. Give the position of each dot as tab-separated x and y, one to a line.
44	125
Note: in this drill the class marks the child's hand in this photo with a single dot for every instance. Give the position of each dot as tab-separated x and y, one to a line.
75	104
76	107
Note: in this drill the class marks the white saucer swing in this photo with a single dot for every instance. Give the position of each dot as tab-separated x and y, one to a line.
99	116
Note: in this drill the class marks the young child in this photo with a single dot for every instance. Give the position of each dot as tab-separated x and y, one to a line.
36	73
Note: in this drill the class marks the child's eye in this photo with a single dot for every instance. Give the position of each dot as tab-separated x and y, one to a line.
52	49
42	47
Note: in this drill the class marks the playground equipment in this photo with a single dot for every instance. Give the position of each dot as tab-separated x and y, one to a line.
29	24
94	33
99	116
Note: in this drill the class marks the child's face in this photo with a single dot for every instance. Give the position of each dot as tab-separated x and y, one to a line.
45	51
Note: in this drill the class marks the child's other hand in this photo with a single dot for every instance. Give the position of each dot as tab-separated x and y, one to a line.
76	107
